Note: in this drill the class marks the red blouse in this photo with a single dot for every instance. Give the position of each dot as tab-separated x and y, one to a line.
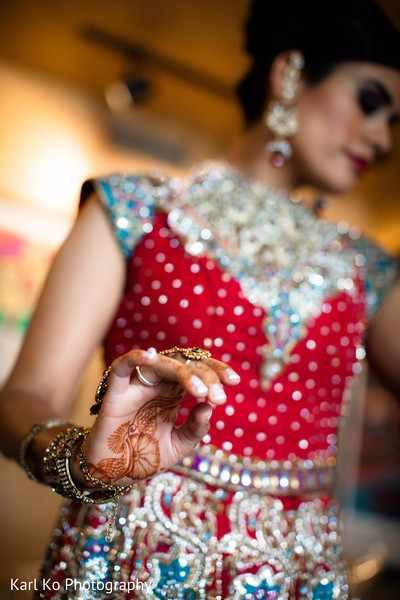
178	295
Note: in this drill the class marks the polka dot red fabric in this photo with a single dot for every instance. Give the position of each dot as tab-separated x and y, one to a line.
173	299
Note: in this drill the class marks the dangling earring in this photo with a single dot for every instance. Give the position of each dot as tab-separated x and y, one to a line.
282	119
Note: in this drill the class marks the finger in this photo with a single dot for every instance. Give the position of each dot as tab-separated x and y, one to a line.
168	369
210	377
224	371
200	378
186	436
123	367
197	378
153	367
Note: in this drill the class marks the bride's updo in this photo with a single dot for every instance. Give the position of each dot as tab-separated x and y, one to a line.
327	33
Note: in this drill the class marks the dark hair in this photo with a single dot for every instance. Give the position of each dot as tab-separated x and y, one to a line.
326	31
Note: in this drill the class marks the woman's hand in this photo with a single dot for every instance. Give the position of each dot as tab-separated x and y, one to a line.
135	436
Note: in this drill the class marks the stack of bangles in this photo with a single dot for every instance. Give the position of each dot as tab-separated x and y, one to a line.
57	472
56	463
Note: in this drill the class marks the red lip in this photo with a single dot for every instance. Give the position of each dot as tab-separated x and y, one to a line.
359	164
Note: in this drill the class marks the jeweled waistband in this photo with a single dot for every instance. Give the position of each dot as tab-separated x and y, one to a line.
282	478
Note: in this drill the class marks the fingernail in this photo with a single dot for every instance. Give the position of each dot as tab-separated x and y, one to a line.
217	392
232	375
209	413
201	388
150	352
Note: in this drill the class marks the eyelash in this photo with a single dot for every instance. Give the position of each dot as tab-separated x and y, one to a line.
369	100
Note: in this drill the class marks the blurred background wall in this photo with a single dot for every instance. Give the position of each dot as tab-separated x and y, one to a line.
90	86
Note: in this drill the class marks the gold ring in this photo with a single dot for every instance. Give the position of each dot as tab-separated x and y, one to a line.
194	353
145	381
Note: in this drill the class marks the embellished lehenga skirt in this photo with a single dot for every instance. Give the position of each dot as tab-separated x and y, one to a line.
188	537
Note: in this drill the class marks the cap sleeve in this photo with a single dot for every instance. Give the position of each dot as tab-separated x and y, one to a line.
130	202
381	270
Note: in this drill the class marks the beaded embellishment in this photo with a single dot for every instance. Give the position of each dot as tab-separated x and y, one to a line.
131	202
282	478
182	539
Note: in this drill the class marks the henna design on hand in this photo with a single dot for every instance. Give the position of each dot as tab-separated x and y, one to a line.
136	440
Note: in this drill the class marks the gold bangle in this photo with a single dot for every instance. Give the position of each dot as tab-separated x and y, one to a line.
58	475
28	439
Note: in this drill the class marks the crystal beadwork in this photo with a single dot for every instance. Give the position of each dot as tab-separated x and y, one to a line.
180	539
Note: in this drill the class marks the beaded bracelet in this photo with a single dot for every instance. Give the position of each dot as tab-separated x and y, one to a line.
28	439
107	486
94	480
58	475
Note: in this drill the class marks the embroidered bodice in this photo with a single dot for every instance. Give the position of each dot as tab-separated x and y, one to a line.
222	262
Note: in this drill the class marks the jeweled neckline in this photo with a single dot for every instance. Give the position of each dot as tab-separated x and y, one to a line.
284	257
225	169
214	169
